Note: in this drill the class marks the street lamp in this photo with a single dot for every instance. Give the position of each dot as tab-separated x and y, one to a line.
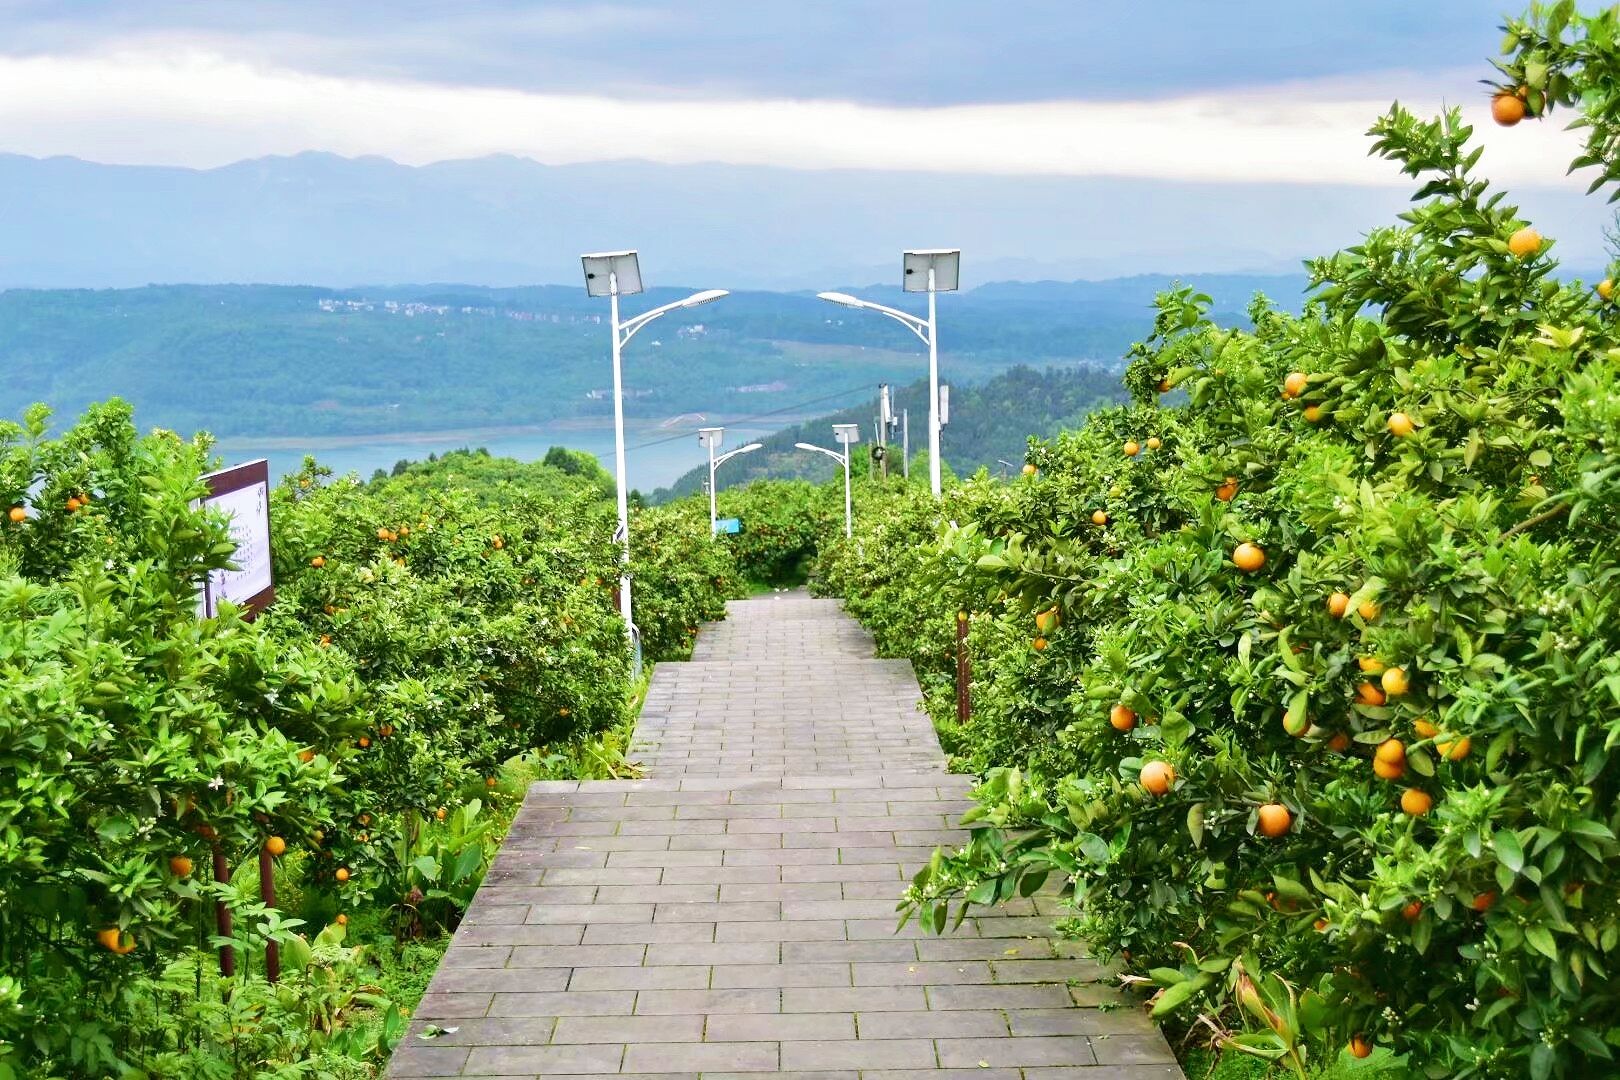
710	437
846	435
614	274
932	270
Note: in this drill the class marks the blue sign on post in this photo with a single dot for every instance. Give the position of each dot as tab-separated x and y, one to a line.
728	525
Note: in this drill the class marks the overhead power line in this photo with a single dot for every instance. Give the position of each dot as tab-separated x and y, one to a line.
758	416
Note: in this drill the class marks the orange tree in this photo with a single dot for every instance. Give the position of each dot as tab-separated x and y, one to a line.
1330	683
134	736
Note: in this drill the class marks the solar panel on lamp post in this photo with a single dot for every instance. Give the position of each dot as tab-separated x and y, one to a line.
930	270
846	435
614	274
710	437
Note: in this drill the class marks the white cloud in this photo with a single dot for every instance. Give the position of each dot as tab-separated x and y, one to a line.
188	106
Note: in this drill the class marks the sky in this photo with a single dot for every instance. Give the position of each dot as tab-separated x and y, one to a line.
1181	91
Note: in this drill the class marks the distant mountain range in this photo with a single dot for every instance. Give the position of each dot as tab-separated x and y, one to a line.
320	219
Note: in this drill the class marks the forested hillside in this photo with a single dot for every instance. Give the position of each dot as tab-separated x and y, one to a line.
281	361
989	424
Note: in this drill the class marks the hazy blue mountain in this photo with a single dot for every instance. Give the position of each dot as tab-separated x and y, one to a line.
326	220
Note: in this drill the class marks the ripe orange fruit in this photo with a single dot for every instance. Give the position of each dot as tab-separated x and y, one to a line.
1228	490
1313	413
563	711
1453	751
276	846
365	819
1359	1046
1524	243
1369	610
116	941
1249	557
1047	621
73	504
1483	902
489	781
1039	644
1507	108
1424	729
363	741
1416	802
1029	470
1368	694
1275	820
382	534
1157	777
1395	682
1338	604
1165	386
1391	752
306	756
1339	743
180	866
342	919
17	515
1132	449
1370	664
497	543
341	874
1298	726
1411	912
318	561
326	641
1295	384
1389	770
1400	425
1605	288
1122	717
1321	926
1153	442
1099	517
441	813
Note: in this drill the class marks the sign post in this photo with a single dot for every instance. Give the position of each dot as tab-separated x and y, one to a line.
242	493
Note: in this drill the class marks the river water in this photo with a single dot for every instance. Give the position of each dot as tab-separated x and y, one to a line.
656	453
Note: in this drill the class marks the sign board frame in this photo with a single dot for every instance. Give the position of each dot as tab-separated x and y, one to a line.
238	485
728	525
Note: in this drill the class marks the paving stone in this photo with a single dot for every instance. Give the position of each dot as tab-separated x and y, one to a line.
770	1027
704	1057
515	1060
628	1029
858	1054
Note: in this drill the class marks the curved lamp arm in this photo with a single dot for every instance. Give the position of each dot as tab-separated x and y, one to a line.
733	453
919	326
821	450
628	328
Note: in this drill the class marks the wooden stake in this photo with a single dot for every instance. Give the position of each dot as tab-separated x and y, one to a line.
222	914
267	892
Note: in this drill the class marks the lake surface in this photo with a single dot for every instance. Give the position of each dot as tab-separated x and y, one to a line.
655	453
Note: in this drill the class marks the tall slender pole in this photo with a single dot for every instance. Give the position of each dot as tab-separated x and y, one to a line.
849	529
933	389
905	444
618	458
712	516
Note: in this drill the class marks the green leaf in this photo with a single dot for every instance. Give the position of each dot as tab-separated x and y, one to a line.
1508	851
1541	940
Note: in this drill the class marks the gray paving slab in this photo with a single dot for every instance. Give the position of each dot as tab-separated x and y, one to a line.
732	913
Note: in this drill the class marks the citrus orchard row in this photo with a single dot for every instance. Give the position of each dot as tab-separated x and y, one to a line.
1324	689
425	634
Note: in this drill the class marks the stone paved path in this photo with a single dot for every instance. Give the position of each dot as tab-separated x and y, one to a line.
733	913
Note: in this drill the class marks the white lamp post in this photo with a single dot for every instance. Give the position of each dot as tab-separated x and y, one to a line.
934	270
846	435
614	274
710	437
